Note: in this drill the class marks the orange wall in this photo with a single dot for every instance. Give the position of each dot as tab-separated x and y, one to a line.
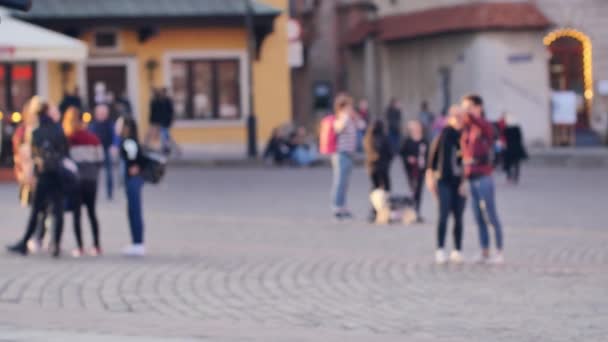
272	82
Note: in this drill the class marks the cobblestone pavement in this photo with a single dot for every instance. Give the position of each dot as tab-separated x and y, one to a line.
252	255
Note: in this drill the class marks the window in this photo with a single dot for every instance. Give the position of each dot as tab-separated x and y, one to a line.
106	40
17	85
206	89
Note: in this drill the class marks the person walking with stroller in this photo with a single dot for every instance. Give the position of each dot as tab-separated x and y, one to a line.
477	144
445	179
378	157
414	153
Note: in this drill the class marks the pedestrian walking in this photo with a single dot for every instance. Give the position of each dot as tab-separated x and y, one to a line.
515	150
87	152
445	179
49	149
378	157
132	155
364	114
71	99
414	152
345	127
394	119
161	118
427	118
103	127
477	150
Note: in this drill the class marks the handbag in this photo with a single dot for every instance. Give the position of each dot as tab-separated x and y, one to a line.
154	168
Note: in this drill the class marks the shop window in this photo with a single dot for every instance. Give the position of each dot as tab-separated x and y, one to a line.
206	89
17	85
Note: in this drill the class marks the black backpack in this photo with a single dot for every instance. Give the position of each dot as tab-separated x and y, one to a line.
51	155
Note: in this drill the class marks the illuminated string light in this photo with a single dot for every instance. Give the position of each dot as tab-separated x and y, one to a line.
87	117
587	56
16	117
1	116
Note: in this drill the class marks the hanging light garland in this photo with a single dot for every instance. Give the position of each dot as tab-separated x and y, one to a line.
587	56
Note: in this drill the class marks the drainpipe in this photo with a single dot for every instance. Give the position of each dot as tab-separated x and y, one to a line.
252	144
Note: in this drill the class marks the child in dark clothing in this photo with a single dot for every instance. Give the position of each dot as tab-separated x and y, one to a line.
379	155
414	155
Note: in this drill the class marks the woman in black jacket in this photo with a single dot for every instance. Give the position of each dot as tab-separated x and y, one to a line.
445	180
379	154
134	160
414	153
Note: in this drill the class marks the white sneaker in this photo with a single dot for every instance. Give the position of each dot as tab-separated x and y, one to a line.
456	257
440	257
33	246
481	259
135	251
498	259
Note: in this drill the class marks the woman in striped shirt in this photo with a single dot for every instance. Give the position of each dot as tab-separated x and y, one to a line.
346	126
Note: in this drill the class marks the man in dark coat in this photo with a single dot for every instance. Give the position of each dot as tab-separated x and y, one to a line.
70	99
161	116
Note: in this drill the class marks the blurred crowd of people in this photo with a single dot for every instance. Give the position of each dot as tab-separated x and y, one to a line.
454	154
59	152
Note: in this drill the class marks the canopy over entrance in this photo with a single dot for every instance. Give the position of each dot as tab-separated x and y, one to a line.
21	41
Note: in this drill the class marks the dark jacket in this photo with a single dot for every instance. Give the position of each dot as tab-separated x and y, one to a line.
444	156
70	101
104	130
132	154
417	149
393	117
515	151
378	152
161	112
49	146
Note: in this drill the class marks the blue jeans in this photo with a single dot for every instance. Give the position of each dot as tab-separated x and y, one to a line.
133	187
165	137
342	164
484	208
107	164
395	140
304	156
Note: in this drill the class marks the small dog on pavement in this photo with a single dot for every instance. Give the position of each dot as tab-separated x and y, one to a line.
392	209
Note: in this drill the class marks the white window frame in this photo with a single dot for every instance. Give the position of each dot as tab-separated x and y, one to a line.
116	48
239	55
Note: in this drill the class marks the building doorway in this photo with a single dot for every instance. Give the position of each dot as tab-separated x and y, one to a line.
111	75
571	70
104	82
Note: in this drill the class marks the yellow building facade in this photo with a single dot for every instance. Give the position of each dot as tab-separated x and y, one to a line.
182	57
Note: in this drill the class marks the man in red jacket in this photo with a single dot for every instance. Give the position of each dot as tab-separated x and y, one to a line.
477	143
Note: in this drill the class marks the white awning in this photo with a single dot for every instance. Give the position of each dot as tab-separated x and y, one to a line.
22	41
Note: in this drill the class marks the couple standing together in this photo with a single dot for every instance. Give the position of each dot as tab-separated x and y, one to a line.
460	158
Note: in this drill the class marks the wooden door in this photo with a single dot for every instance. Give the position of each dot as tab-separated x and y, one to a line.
112	78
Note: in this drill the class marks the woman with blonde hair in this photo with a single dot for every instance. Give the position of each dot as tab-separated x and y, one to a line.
87	152
22	149
24	163
445	179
